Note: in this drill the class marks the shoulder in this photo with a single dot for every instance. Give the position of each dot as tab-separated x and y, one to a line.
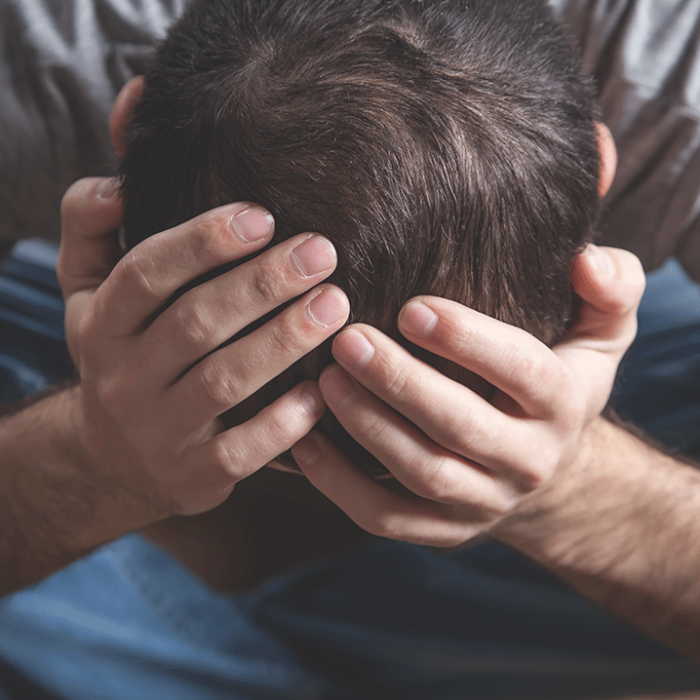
61	66
645	58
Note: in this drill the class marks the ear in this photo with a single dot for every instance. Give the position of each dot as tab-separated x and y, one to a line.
122	109
607	154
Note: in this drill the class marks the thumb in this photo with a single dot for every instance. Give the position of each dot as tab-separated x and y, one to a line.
91	214
610	283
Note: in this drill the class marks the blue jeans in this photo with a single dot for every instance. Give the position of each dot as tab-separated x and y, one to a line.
659	386
391	621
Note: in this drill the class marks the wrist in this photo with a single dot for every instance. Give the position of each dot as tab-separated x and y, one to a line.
547	523
620	526
107	479
57	502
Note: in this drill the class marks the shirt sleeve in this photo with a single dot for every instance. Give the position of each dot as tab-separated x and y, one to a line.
644	57
61	68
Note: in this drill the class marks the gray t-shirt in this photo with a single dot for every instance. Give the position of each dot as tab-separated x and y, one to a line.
64	63
644	56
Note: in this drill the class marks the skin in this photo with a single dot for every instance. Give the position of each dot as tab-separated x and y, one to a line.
139	438
470	460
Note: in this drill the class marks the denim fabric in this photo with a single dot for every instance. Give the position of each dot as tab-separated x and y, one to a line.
391	621
33	351
659	385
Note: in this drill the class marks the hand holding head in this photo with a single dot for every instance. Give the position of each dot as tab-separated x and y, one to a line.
154	375
471	465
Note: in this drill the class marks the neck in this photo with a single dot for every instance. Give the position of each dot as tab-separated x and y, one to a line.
272	523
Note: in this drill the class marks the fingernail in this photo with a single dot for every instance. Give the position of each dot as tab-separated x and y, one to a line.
417	319
251	224
314	255
328	307
108	188
336	386
306	452
600	261
352	348
310	402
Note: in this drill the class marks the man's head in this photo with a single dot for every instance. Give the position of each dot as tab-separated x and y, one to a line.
445	147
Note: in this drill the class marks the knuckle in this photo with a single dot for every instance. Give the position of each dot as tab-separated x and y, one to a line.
192	325
534	477
375	428
279	434
466	434
111	401
459	334
385	525
396	380
86	339
139	272
450	541
438	482
109	394
621	294
449	538
84	332
634	278
218	385
285	338
528	370
534	471
266	284
495	504
207	241
224	462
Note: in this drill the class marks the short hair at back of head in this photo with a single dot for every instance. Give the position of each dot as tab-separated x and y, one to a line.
445	147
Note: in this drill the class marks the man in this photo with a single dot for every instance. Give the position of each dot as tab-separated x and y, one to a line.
463	163
93	322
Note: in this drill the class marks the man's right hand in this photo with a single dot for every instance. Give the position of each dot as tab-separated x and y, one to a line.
471	465
153	382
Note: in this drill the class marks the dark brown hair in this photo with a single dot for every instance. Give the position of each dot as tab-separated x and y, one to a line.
445	147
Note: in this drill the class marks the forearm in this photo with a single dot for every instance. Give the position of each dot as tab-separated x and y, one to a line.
54	508
622	527
141	438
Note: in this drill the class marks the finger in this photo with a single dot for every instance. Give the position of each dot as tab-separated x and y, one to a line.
373	507
610	283
426	468
146	277
90	214
452	415
206	316
238	452
229	376
507	357
449	413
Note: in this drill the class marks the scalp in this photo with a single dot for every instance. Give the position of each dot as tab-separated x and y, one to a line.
445	147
